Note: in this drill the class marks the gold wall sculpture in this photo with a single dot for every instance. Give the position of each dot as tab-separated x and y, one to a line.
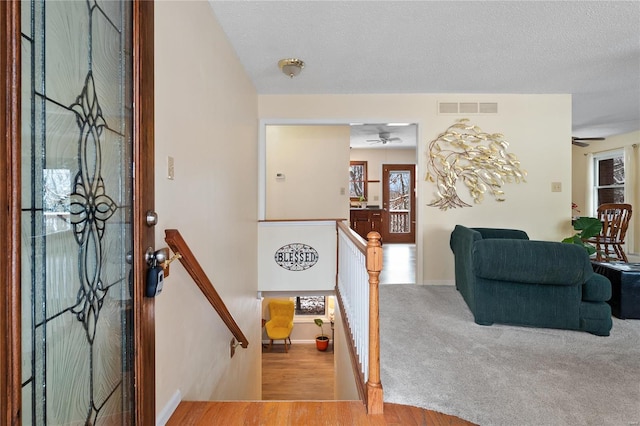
464	152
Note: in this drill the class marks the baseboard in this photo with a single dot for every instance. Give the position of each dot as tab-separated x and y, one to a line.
166	413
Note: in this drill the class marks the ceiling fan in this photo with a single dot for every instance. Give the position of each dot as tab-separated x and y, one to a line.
384	138
581	141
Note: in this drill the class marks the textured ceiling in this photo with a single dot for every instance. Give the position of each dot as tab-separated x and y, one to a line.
590	49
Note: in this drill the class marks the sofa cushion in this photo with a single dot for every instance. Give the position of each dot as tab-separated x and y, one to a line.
502	233
596	289
531	262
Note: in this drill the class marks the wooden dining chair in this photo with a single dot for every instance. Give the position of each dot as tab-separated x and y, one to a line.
615	221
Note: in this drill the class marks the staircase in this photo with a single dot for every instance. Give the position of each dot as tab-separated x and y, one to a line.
357	295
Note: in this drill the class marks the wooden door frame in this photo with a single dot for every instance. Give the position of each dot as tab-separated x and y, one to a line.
386	236
143	201
10	234
10	202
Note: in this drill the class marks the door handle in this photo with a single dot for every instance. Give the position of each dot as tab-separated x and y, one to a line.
156	257
151	218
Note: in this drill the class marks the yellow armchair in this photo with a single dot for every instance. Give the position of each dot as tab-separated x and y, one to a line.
281	322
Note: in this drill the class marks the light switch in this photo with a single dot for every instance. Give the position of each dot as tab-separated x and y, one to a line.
556	186
170	168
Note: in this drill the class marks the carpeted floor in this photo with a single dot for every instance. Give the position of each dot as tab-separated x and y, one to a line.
434	356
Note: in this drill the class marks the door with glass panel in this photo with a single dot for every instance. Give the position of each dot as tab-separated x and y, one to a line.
77	269
398	203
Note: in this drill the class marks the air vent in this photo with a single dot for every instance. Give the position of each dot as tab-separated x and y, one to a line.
448	107
467	108
488	107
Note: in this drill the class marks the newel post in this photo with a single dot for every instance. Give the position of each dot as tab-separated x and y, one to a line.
374	266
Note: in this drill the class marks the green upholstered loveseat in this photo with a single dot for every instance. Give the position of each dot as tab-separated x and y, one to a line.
506	278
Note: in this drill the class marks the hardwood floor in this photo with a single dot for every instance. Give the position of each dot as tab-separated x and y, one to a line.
399	264
307	413
304	373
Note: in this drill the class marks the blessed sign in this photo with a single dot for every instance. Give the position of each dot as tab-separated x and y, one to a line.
296	257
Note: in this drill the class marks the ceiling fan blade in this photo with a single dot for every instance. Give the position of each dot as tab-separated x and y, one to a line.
581	141
588	139
578	143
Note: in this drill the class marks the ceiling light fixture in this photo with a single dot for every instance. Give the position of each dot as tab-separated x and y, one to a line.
291	66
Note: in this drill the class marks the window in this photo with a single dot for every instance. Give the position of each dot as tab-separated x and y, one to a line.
358	180
310	305
608	178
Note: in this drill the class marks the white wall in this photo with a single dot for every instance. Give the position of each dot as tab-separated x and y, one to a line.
344	376
313	163
579	177
375	158
206	118
321	241
538	128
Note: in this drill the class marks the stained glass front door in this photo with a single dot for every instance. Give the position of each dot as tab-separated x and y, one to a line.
76	212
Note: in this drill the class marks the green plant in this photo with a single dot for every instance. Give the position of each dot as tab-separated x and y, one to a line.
320	323
586	227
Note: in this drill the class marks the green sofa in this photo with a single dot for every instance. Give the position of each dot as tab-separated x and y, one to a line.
506	278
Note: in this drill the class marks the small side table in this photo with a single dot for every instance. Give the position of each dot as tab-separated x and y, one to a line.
625	287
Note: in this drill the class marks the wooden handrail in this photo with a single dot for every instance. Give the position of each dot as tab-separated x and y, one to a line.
177	244
356	239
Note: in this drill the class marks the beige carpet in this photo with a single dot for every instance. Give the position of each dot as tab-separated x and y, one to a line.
434	356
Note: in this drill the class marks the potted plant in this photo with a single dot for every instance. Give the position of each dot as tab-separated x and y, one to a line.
322	341
587	227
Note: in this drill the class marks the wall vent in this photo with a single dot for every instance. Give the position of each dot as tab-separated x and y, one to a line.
488	107
467	107
448	108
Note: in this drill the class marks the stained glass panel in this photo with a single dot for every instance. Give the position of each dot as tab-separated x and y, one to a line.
76	164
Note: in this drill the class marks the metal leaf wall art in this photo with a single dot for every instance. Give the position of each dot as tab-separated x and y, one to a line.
464	152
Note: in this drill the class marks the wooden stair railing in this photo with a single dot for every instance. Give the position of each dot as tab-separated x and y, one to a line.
178	245
371	391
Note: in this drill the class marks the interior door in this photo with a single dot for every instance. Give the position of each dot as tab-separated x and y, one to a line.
398	203
76	228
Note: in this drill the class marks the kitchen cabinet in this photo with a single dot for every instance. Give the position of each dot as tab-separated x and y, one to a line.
366	220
